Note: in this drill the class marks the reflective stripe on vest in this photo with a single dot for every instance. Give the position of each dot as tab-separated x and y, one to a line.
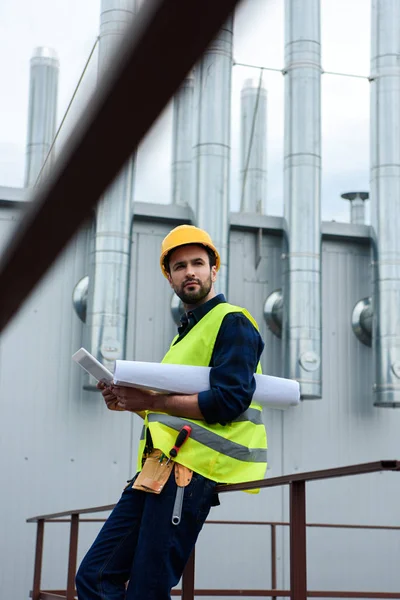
251	414
212	440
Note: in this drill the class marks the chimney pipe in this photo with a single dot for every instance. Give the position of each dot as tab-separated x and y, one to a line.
357	206
253	147
108	293
302	171
182	143
211	152
43	88
385	194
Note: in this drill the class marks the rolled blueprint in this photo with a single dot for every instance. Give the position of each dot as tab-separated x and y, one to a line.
273	392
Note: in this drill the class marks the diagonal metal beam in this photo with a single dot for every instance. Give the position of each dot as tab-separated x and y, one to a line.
163	44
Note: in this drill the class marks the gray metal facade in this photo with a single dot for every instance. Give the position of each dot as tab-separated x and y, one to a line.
61	449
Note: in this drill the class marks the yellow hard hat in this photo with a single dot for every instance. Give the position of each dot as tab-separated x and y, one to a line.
182	235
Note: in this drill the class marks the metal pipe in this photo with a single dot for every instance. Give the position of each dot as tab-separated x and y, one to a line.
182	143
357	206
253	147
385	194
108	294
43	89
211	152
302	197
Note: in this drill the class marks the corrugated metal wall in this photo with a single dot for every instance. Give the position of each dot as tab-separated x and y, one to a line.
60	448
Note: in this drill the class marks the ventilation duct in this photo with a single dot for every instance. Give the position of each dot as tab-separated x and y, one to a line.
182	144
43	88
253	147
302	172
385	194
107	306
211	152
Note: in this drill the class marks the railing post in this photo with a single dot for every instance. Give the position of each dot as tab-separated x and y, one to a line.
273	559
37	574
72	556
298	542
188	579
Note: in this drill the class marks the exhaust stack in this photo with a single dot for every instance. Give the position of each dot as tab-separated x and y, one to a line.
357	206
43	89
385	194
182	144
211	152
107	312
253	147
302	173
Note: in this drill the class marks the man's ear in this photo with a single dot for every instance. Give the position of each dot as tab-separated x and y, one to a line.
213	273
169	279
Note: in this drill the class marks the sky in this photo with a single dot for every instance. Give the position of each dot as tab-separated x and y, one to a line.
71	29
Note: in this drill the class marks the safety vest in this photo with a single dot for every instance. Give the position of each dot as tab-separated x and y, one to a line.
231	453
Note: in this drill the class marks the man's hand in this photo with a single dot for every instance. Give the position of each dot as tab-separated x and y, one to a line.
118	397
109	397
133	399
126	398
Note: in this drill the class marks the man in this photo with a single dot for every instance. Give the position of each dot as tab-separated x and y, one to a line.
227	441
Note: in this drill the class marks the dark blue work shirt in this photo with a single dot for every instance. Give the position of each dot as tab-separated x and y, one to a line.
234	360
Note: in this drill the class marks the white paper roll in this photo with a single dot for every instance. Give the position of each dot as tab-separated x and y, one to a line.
273	392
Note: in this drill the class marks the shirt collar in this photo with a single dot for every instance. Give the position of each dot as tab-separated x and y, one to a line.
193	316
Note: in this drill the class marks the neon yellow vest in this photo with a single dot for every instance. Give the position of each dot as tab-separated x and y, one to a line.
231	453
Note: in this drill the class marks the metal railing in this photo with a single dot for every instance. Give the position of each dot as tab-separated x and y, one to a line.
297	524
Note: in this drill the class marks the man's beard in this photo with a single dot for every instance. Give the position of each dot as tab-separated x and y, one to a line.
197	294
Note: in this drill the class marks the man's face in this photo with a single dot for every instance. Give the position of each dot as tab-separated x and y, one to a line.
191	276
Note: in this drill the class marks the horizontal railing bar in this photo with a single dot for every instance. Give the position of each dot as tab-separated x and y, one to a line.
58	594
82	511
284	593
277	523
361	469
103	520
322	525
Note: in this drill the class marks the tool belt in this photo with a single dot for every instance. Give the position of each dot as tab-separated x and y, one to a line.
156	471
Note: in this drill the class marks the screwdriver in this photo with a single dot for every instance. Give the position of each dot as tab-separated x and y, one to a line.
180	440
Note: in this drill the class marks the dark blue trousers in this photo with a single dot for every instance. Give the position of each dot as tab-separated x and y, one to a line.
139	543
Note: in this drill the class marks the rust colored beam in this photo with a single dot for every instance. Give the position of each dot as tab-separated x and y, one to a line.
230	593
53	595
286	593
335	594
72	556
159	49
373	467
273	557
188	578
68	513
298	544
37	573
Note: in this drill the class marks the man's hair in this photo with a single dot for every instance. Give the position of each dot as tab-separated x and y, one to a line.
211	256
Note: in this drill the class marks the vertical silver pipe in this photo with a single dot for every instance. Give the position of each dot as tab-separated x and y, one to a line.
253	147
302	174
182	143
211	151
43	89
107	306
385	194
357	206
